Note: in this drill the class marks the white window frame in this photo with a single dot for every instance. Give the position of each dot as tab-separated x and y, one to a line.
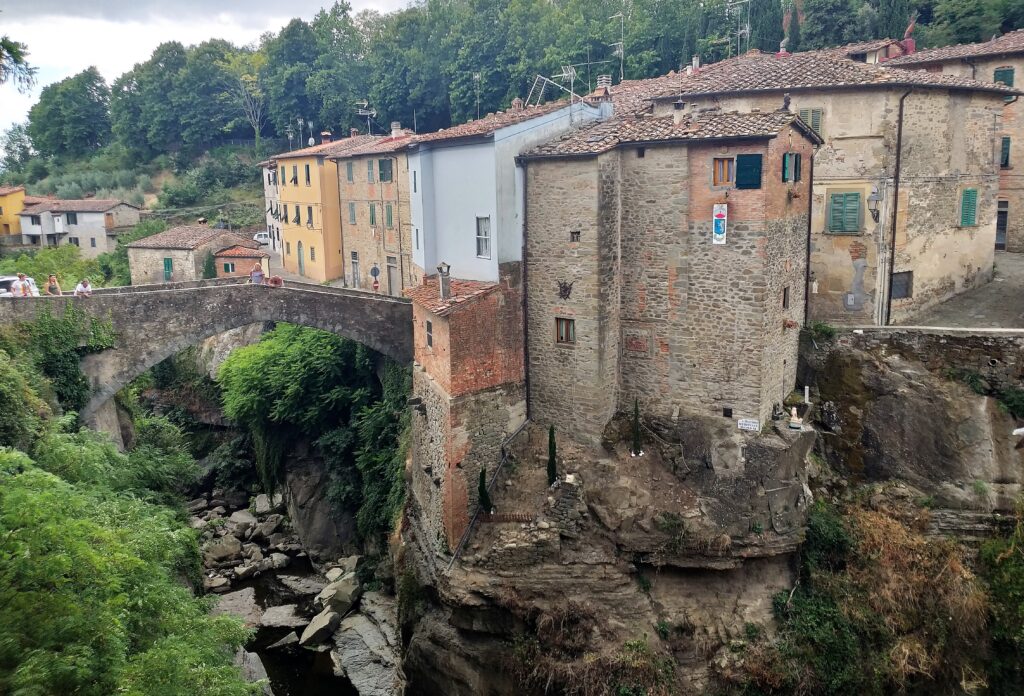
483	241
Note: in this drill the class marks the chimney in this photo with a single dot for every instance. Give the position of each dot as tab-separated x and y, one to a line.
696	63
444	280
325	136
604	81
679	113
396	129
353	132
908	43
517	104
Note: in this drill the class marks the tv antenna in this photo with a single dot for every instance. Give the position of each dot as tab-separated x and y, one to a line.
742	28
476	84
620	46
365	110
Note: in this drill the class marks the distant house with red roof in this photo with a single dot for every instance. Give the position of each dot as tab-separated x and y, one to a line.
179	254
237	261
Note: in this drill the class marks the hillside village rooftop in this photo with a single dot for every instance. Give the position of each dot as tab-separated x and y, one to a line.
185	237
56	205
1007	44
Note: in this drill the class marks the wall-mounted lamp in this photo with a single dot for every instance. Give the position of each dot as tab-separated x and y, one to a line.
873	201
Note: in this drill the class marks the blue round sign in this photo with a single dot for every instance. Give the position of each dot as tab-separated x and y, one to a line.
374	271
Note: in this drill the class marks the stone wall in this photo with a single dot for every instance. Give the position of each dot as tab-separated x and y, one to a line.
147	265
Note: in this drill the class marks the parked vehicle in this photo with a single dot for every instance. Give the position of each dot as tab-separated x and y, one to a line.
262	237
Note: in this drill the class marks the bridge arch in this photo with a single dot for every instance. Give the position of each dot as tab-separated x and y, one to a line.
153	323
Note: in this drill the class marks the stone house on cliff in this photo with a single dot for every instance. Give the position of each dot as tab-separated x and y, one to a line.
905	182
666	261
179	254
999	60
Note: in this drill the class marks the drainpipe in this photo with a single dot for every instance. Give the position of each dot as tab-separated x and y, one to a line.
525	303
807	260
398	212
341	225
895	208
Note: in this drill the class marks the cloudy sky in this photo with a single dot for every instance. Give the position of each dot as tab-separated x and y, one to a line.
66	36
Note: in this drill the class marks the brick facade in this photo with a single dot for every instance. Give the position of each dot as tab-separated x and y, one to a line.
661	314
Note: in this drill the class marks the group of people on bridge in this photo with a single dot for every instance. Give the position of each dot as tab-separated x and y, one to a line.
26	287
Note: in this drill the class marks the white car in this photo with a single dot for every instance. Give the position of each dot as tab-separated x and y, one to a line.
262	237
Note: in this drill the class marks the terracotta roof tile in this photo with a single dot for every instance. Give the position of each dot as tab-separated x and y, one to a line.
491	122
707	125
428	295
1011	43
87	205
187	237
381	144
240	252
8	190
852	49
768	72
330	149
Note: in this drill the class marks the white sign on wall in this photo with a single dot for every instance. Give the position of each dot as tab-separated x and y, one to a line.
749	424
719	216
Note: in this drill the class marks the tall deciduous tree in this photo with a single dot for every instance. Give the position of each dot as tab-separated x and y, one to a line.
14	65
71	117
17	148
243	89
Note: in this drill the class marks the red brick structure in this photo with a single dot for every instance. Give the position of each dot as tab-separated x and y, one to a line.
236	261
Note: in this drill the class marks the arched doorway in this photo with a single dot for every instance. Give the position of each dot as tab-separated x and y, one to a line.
302	262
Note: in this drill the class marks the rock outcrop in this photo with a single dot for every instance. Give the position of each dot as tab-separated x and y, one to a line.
367	647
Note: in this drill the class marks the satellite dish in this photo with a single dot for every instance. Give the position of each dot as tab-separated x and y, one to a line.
311	141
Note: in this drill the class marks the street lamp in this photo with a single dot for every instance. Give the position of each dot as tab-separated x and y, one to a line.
873	201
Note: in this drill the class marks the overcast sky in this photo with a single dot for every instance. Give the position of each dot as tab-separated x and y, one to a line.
66	36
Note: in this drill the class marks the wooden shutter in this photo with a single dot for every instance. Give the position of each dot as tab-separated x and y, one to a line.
785	167
1004	153
835	212
1004	75
748	171
968	207
812	118
851	212
797	166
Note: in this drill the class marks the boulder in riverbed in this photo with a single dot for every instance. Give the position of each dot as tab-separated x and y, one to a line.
240	603
320	628
222	549
283	616
340	595
288	641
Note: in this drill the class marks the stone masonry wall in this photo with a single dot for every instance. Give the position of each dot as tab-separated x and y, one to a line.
147	265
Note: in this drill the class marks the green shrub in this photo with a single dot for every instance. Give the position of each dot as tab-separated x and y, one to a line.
24	413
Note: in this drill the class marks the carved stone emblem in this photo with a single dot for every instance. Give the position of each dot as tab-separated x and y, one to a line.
565	289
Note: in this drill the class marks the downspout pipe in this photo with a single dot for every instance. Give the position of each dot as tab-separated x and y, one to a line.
525	303
895	207
807	259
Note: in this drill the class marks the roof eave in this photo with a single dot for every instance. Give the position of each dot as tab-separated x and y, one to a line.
831	88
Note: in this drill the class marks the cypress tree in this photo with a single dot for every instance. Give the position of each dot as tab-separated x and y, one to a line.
793	45
552	456
482	494
636	451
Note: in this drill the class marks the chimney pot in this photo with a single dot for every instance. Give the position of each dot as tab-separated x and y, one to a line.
517	104
444	280
396	129
696	63
353	132
325	136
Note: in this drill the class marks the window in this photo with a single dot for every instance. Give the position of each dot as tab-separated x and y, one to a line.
168	269
902	285
1004	153
229	268
295	174
430	334
812	118
283	180
785	297
72	218
565	330
349	173
414	189
286	212
417	237
369	171
1002	219
298	216
791	166
727	412
73	240
384	166
388	219
1004	75
724	171
844	213
969	207
483	237
288	248
92	242
641	151
352	213
574	236
355	269
312	253
373	215
307	175
309	216
34	220
748	171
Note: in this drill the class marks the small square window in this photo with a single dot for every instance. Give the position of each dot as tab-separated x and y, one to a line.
92	242
72	218
641	151
724	171
902	285
430	334
727	412
565	331
785	297
574	236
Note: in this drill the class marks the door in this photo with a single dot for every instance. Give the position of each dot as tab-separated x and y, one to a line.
58	224
1002	217
302	262
355	269
168	270
394	283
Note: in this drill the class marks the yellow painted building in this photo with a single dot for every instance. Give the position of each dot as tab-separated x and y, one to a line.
309	209
12	201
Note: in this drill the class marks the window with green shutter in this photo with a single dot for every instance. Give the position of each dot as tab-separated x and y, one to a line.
844	213
969	207
352	213
791	166
388	218
1004	153
369	171
373	215
748	171
1004	75
348	172
384	166
812	118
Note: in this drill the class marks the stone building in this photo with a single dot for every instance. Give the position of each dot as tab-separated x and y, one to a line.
999	60
179	254
92	224
307	187
468	381
376	224
12	201
666	261
236	261
905	184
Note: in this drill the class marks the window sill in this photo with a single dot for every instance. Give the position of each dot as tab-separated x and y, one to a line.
564	344
839	233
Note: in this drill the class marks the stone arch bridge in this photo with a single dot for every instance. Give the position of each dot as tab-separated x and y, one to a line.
154	322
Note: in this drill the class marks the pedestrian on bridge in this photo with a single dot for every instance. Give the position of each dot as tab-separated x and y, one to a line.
52	286
83	289
256	276
21	287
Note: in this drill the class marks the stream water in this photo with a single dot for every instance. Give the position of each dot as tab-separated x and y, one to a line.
293	671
